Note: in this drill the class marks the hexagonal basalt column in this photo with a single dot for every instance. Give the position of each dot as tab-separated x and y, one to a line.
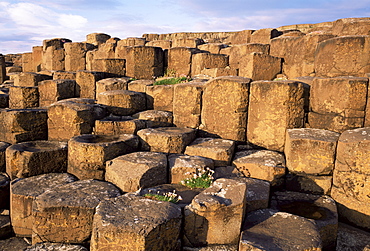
166	139
136	223
36	157
65	214
22	197
88	153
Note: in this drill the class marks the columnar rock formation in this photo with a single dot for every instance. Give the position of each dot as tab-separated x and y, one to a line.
277	119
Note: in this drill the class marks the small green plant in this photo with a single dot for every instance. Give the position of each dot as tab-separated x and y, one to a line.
172	81
170	196
202	178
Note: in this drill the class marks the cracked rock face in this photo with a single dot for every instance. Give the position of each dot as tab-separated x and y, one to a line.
131	222
215	215
65	214
269	229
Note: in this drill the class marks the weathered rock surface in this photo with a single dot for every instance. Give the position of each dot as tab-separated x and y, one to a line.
137	170
65	214
22	198
132	222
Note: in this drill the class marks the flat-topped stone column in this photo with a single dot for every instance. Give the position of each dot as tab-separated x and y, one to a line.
215	215
51	91
166	139
220	150
21	97
19	125
88	153
262	164
132	222
155	118
23	193
351	183
269	229
133	171
71	117
36	157
122	102
115	125
65	214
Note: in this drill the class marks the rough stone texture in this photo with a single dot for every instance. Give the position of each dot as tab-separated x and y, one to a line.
298	52
65	214
215	215
160	97
5	226
274	106
351	238
88	153
53	59
343	56
97	38
110	84
351	26
4	190
342	99
27	64
144	62
4	100
236	51
333	122
115	125
220	150
166	139
183	166
259	66
13	244
219	72
139	85
3	146
72	117
23	97
110	65
36	58
29	79
264	36
51	91
155	118
310	151
258	194
187	104
268	229
136	223
132	41
180	59
86	83
202	61
75	55
22	198
48	246
122	102
187	42
351	183
312	184
36	157
321	209
19	125
64	75
150	169
164	44
226	99
261	164
213	48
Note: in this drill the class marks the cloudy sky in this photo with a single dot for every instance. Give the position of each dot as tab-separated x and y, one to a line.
24	24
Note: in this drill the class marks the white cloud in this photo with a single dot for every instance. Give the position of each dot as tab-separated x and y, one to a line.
72	21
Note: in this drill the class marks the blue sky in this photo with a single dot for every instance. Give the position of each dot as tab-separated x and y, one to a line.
24	24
